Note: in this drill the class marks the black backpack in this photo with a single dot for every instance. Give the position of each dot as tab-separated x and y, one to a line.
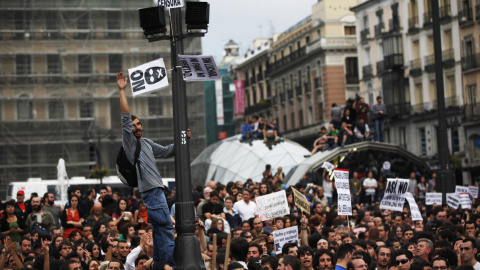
126	171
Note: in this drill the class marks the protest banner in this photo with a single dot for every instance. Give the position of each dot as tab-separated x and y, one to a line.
301	201
473	191
240	97
416	215
272	205
329	166
199	68
343	189
283	236
461	189
465	201
432	198
394	198
453	200
168	4
148	77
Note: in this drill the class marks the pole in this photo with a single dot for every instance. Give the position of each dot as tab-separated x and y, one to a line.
446	177
187	253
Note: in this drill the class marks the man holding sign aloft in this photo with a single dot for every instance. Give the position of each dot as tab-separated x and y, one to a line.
149	179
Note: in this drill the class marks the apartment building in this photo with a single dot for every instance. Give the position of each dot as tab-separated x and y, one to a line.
58	94
296	77
396	61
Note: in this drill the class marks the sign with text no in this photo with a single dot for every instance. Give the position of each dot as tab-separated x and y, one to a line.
148	77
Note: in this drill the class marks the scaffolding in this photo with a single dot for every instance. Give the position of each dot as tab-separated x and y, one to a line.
58	95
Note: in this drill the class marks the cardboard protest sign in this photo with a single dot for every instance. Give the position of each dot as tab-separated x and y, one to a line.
283	236
168	4
148	77
272	205
394	198
465	201
473	191
416	215
432	198
453	200
343	190
199	68
327	165
461	189
301	201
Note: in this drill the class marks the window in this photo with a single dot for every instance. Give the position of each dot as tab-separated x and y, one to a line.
55	108
114	22
83	24
365	22
349	30
86	107
23	65
54	64
85	64
51	23
115	63
307	39
24	107
455	140
352	66
423	142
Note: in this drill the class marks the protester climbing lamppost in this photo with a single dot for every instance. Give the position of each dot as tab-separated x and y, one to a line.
187	253
445	176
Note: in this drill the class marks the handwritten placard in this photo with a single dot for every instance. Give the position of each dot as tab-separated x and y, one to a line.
283	236
301	201
272	205
432	198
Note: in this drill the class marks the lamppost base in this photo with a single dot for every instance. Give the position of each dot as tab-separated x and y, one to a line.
445	182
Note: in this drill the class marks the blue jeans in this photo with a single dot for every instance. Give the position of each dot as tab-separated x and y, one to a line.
159	217
379	130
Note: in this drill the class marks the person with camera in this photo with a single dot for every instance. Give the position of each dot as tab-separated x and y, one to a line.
379	114
39	219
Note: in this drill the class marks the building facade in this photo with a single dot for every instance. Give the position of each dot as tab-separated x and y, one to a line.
299	74
58	93
396	60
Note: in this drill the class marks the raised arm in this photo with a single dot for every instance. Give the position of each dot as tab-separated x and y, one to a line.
122	84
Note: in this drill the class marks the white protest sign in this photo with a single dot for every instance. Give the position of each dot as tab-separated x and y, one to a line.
453	200
473	191
199	68
272	205
461	189
283	236
394	194
465	200
416	215
329	166
148	77
432	198
168	4
343	190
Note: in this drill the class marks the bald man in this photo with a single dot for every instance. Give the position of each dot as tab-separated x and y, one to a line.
97	216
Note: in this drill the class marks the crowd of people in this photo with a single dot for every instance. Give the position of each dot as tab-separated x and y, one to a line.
256	128
350	124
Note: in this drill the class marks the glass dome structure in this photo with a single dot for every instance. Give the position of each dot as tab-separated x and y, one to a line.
232	160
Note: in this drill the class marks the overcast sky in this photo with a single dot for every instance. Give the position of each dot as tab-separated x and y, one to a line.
244	20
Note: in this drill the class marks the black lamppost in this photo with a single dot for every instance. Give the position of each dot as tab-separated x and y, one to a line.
187	253
445	176
89	136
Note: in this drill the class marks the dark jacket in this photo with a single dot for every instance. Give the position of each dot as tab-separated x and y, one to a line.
63	218
4	226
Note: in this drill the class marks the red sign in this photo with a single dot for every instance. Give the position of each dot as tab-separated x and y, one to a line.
222	135
239	97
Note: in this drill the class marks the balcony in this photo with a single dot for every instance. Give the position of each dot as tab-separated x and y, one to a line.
308	87
413	26
317	82
367	72
351	78
289	59
247	82
261	105
290	94
275	100
380	68
445	13
430	63
451	102
472	111
422	107
427	19
415	68
394	24
465	16
252	79
259	76
364	35
298	90
282	97
393	61
396	110
379	29
448	58
470	62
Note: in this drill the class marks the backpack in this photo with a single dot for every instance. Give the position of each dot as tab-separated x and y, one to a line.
126	171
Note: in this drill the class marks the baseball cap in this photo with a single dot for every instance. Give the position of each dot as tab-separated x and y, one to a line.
21	192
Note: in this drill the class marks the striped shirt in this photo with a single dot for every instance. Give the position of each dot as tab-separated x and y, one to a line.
150	176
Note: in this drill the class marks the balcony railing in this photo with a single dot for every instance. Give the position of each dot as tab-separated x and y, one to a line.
470	62
367	71
465	16
472	111
262	105
364	34
351	78
380	67
430	63
393	61
317	82
445	13
284	61
379	28
416	67
298	91
427	19
448	58
398	109
290	94
259	76
333	42
282	97
308	87
450	103
394	24
413	24
252	79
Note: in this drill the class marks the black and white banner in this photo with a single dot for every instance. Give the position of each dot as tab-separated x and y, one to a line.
416	215
148	77
168	4
394	198
343	189
432	198
199	68
453	200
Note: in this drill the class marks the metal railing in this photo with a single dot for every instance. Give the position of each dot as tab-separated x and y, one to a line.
415	67
298	90
393	60
430	63
413	24
470	62
292	57
379	28
364	35
351	79
445	12
394	24
465	15
472	111
317	82
367	71
380	67
308	87
290	94
427	19
448	58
